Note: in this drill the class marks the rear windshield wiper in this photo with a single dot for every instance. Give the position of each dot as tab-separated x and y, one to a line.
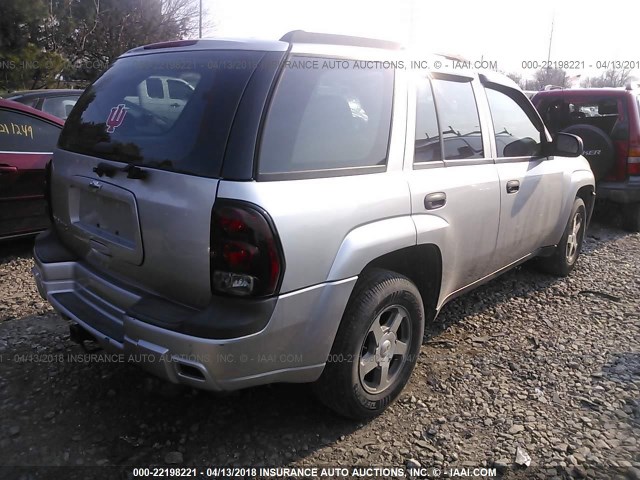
131	170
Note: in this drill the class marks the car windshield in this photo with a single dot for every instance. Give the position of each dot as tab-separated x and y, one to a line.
171	111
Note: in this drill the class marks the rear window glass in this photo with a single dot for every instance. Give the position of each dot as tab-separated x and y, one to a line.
24	133
59	106
327	118
164	110
607	113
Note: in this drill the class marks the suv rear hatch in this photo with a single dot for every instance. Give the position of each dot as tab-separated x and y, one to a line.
136	173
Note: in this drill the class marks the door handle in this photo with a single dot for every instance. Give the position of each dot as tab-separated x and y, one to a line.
513	186
435	200
8	169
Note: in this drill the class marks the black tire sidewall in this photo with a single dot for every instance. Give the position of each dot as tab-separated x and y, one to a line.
378	291
578	205
379	401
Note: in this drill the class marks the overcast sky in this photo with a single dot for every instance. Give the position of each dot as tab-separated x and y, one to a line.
508	32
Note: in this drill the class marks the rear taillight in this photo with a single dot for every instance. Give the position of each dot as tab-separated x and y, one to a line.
246	258
47	190
633	161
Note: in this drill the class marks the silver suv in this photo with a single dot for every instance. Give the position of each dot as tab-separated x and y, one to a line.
301	214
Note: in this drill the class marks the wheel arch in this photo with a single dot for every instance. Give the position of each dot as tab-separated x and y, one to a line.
580	184
422	264
588	195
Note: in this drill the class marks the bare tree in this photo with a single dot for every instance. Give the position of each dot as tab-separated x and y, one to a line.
610	78
549	76
517	78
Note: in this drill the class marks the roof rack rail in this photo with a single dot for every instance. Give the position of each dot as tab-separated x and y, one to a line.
552	87
300	36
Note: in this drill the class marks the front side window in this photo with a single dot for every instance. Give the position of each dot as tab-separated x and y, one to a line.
179	89
427	142
23	133
515	133
326	118
459	120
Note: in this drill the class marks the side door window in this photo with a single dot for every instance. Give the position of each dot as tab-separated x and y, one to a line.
179	90
428	147
24	133
515	132
459	119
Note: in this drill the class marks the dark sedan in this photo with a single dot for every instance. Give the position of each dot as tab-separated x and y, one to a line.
58	102
27	139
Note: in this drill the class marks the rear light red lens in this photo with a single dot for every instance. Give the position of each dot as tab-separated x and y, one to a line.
633	162
246	257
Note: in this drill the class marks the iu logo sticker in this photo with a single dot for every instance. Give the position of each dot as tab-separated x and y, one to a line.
116	117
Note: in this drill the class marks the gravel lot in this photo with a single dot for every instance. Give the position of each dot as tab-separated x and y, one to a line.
529	362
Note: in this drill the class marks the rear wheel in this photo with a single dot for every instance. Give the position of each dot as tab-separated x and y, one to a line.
631	217
566	255
376	346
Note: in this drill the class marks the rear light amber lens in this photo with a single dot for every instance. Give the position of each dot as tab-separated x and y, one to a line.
246	258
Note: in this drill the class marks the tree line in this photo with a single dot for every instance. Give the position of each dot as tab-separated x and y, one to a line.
561	78
51	43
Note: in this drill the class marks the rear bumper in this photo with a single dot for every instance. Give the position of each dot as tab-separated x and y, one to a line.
619	192
293	346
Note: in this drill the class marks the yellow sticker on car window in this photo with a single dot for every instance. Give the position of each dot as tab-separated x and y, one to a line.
17	129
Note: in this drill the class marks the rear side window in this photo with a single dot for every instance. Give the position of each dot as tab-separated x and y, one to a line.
154	87
327	118
125	117
29	101
459	120
515	133
23	133
427	142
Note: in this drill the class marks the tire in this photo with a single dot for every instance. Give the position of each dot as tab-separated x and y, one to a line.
565	257
598	148
366	346
631	217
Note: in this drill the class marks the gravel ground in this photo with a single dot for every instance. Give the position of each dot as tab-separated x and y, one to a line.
528	363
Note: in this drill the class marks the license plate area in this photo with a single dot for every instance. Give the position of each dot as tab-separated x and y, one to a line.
105	217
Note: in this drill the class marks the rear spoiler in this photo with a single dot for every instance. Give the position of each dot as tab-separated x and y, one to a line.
300	36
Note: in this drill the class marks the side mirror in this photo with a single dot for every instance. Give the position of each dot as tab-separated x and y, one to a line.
567	145
523	147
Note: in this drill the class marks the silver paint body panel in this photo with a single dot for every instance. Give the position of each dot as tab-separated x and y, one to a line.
330	229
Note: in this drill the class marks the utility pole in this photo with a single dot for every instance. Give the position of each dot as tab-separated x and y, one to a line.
553	19
200	22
